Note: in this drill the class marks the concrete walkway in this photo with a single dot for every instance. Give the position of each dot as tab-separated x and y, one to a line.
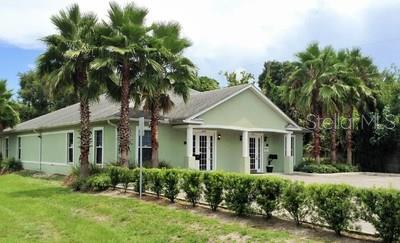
357	179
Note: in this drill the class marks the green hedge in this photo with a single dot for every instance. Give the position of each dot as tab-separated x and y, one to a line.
325	167
337	206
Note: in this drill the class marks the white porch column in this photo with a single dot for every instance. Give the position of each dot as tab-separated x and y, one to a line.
288	158
245	152
189	159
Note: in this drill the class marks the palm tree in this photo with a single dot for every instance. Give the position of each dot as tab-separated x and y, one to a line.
124	54
362	73
306	87
8	108
65	64
175	77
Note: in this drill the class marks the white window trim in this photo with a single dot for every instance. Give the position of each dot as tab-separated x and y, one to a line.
73	147
4	148
197	149
94	147
146	128
294	146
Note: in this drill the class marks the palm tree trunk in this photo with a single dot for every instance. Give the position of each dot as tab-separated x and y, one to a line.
154	138
85	135
333	141
349	135
317	140
124	131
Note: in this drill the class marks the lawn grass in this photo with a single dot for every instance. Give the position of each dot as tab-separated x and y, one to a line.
37	210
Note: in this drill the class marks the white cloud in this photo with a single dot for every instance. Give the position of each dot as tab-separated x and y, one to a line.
230	31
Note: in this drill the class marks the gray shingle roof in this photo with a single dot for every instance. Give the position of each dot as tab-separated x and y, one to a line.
106	109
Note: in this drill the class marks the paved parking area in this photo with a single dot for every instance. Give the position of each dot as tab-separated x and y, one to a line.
357	179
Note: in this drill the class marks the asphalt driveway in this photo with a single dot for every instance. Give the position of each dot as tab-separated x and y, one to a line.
357	179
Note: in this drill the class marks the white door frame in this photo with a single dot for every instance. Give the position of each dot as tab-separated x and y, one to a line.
258	150
197	133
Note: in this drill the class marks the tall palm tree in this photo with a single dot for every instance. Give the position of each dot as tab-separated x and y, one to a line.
361	77
314	69
65	64
175	77
124	54
8	108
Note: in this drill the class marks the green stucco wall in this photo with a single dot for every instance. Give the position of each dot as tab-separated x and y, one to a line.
245	110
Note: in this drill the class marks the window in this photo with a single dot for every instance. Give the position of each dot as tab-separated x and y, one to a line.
70	147
6	148
19	148
98	146
146	146
292	140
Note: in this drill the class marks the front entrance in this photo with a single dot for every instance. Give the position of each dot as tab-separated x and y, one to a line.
255	152
204	149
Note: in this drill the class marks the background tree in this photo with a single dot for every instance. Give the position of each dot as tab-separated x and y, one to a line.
314	68
204	83
65	65
237	78
8	108
174	78
124	56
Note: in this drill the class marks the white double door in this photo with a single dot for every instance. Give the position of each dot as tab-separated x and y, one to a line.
204	146
256	152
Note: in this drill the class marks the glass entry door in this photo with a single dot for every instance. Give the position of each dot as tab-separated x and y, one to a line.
255	152
204	149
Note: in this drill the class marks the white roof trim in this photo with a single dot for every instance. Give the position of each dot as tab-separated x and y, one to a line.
236	128
217	104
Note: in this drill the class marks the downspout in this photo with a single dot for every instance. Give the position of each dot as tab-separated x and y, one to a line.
40	149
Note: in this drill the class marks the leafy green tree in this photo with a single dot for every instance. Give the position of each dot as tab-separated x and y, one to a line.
204	83
125	56
314	69
65	65
234	78
174	77
8	108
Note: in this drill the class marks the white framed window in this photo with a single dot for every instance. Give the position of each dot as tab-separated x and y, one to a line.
146	145
292	144
70	147
98	142
19	148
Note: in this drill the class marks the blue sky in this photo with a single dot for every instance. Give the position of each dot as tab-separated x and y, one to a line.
227	35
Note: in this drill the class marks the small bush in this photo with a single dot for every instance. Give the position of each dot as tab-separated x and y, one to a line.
381	207
156	180
333	205
267	193
79	184
238	193
126	177
295	200
341	167
136	179
315	168
93	170
164	164
114	172
171	184
191	185
213	188
98	182
11	165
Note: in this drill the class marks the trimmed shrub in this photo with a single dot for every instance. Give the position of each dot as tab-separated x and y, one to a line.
156	180
342	167
126	177
295	200
98	182
381	207
114	172
164	164
136	179
171	184
315	168
93	170
213	188
79	184
334	206
191	185
267	191
238	193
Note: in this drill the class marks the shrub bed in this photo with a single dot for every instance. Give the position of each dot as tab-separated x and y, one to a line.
325	167
337	206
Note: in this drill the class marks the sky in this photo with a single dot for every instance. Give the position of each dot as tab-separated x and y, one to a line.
227	35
